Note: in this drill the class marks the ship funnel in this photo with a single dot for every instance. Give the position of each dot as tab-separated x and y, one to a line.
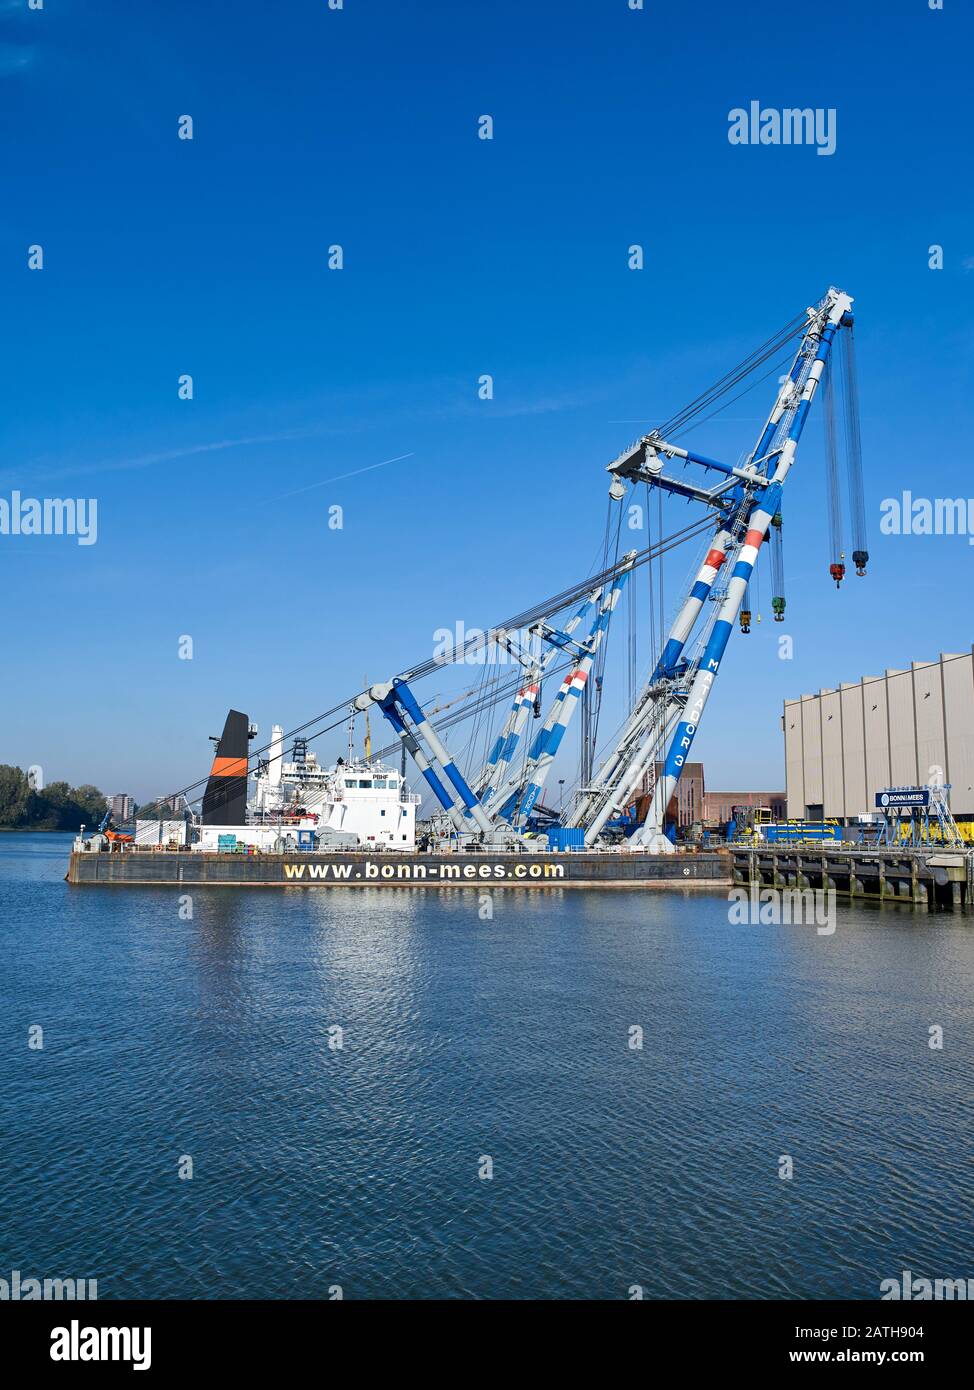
225	798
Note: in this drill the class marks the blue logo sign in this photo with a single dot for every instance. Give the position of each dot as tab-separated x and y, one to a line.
914	796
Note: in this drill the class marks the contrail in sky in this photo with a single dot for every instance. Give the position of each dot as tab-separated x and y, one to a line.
339	476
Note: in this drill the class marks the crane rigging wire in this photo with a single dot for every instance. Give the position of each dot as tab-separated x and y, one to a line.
853	449
779	366
520	620
777	554
757	358
833	496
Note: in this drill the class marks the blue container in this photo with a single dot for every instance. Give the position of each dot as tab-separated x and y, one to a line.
562	837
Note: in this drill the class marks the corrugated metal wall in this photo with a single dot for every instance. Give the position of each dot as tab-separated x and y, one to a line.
853	746
904	728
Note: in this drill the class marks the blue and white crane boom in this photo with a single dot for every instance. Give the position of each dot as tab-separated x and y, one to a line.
755	498
518	796
527	697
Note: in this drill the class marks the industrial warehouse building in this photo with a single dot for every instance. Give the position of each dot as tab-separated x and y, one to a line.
905	728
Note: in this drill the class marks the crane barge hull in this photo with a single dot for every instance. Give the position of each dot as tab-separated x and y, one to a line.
177	868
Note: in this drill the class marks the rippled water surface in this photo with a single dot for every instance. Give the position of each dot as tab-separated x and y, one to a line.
466	1037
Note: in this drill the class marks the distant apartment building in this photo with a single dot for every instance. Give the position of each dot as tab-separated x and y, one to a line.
905	728
122	805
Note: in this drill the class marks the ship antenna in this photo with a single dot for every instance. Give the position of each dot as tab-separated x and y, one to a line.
368	730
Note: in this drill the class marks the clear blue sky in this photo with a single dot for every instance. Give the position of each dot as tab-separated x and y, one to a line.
462	257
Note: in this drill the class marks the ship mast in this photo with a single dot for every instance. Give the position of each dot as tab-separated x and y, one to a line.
368	731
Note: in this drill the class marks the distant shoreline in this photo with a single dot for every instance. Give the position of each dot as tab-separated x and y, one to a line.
34	830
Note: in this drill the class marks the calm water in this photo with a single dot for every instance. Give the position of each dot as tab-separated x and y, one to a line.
464	1038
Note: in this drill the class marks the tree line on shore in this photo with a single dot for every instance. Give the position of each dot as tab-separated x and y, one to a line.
54	807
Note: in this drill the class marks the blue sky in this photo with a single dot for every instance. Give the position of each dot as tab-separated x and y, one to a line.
359	127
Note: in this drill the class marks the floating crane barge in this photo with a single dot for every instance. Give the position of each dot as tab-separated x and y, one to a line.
350	825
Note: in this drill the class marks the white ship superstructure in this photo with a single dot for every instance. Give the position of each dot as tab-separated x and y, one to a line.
298	804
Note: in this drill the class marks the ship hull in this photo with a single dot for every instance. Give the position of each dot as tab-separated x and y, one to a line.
179	868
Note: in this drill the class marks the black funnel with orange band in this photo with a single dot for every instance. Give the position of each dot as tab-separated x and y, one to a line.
225	798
